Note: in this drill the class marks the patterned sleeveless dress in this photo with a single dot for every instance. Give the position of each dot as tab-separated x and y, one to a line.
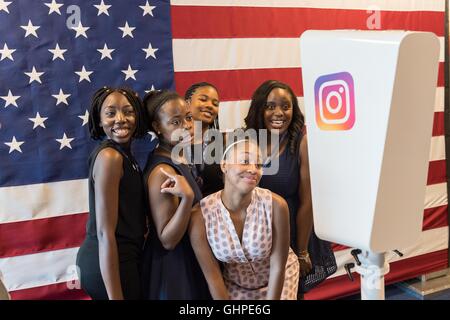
246	265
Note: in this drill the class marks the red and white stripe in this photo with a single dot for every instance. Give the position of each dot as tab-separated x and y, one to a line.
41	228
236	45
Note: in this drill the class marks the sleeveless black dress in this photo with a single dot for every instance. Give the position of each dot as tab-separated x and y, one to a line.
129	233
208	176
286	184
172	274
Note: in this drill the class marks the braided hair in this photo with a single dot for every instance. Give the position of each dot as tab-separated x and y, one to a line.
190	92
255	116
97	101
154	100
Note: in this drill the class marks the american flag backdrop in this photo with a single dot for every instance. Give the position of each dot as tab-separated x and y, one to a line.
51	62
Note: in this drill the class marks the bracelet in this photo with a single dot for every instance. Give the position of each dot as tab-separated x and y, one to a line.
303	255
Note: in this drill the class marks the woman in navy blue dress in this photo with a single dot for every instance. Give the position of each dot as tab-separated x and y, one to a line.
170	268
274	107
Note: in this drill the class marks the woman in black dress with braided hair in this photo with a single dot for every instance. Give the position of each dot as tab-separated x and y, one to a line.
108	260
203	101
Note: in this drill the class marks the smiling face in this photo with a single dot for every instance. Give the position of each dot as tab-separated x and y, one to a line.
174	122
242	167
278	111
204	104
118	118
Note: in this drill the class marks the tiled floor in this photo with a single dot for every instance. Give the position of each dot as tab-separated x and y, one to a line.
394	292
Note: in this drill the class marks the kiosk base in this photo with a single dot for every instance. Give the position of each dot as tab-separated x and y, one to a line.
427	286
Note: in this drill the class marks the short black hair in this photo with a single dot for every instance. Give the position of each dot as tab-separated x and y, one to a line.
191	90
100	96
154	100
255	116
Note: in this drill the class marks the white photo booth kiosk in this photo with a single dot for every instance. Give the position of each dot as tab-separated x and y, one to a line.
369	103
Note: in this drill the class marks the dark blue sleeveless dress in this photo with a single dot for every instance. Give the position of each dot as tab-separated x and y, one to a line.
172	274
286	184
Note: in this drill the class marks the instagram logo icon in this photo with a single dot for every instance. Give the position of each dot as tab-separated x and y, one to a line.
335	101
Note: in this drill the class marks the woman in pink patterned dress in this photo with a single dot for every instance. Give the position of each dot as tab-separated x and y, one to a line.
246	229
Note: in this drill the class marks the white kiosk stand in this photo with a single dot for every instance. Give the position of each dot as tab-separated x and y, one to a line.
369	102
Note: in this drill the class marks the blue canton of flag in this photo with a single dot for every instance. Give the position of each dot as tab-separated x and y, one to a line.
53	56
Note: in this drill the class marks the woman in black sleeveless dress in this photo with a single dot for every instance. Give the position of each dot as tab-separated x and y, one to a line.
274	106
108	259
170	268
203	100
